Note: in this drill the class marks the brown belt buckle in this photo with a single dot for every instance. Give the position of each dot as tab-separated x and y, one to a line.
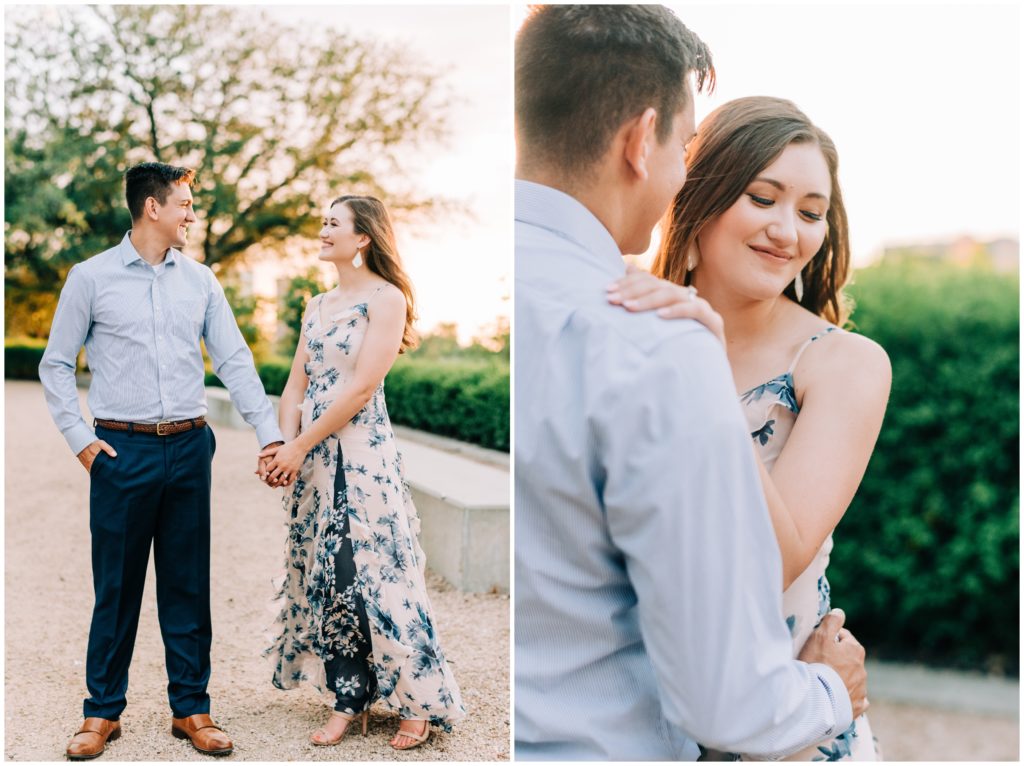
163	423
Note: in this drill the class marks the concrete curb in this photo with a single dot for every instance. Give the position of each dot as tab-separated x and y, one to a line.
954	690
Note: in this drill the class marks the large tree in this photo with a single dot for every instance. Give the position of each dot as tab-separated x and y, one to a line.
275	118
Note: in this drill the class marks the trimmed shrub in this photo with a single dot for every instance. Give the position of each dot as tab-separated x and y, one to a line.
463	399
926	560
22	357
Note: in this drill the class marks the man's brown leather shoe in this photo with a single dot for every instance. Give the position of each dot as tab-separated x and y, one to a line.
207	737
91	739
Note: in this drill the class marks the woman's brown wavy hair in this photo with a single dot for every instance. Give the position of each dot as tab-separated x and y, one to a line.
370	217
732	145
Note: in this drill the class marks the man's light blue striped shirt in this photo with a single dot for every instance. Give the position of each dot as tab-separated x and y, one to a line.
141	326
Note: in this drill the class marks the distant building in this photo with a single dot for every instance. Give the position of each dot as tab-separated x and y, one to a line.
1002	255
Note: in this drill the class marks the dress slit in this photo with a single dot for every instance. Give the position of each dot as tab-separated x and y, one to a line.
350	671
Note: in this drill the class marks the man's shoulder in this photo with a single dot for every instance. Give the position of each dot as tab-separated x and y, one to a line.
645	333
191	266
577	303
565	284
98	263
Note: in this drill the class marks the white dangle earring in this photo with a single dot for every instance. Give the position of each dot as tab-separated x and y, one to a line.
798	286
358	260
692	256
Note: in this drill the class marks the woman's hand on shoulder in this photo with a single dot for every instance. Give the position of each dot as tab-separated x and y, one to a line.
640	290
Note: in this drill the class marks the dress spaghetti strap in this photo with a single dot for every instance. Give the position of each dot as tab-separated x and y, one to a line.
809	341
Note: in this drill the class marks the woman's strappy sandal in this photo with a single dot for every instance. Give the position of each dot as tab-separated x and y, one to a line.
324	742
418	739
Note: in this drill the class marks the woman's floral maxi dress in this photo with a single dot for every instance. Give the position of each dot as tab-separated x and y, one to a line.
354	563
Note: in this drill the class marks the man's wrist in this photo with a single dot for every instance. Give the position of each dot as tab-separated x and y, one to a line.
268	432
837	693
78	437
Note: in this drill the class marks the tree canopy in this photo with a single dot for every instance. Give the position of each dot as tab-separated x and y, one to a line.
275	119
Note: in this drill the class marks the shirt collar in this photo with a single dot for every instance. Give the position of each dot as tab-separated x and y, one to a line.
129	254
567	217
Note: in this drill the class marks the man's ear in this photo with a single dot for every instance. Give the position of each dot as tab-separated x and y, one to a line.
149	209
640	133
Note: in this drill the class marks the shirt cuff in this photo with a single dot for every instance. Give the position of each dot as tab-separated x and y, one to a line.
268	432
79	436
836	690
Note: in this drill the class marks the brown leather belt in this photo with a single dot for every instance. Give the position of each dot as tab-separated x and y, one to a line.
163	428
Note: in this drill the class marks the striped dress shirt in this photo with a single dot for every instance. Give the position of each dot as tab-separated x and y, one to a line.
648	582
141	326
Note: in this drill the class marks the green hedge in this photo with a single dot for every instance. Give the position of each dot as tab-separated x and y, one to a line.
926	560
22	357
465	399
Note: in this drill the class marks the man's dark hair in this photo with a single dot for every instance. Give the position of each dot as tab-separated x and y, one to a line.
583	70
152	179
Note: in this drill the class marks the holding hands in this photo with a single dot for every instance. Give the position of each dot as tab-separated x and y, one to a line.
278	463
640	290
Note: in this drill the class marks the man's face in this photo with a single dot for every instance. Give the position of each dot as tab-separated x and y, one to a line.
175	215
666	173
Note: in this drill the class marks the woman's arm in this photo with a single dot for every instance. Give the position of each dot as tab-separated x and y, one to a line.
845	385
289	417
378	352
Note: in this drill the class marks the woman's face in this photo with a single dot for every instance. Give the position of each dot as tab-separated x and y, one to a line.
338	238
769	234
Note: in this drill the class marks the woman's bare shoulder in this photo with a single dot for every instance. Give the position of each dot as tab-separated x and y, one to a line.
388	298
848	360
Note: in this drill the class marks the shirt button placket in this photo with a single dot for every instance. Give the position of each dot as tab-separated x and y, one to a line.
160	350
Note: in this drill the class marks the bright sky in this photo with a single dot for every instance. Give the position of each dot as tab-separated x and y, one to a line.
461	269
923	103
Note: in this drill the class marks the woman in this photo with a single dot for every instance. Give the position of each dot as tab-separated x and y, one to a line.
355	618
759	229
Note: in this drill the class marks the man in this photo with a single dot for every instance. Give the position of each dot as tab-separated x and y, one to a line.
648	579
140	309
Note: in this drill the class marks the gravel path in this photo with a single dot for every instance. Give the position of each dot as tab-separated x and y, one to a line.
914	733
49	601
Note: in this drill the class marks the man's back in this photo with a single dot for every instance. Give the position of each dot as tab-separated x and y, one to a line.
580	365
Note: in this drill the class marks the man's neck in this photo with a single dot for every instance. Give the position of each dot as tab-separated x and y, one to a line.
603	200
152	250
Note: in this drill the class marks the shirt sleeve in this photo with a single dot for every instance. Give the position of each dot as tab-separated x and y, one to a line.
685	506
71	323
233	363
